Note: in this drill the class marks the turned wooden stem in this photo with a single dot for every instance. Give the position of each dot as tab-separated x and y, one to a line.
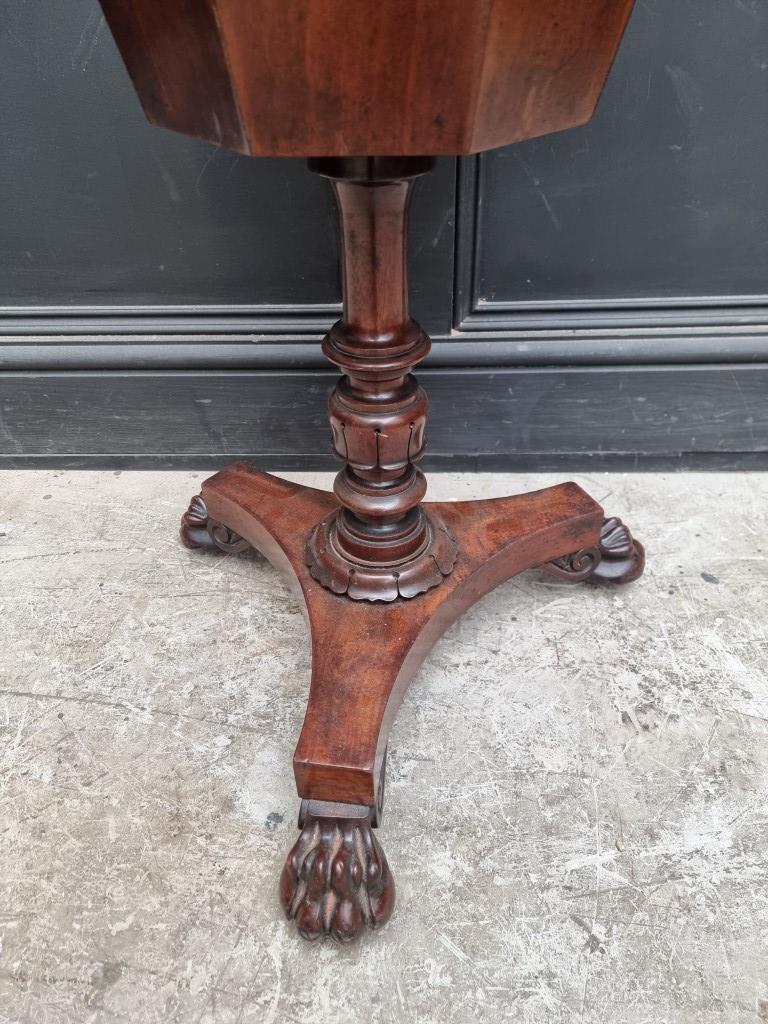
373	220
377	410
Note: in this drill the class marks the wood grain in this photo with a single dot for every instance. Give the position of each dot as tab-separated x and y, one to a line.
339	78
365	655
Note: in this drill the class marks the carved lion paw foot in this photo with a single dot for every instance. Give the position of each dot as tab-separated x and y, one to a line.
618	558
198	530
336	881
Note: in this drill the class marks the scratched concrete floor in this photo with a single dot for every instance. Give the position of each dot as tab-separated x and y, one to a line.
576	812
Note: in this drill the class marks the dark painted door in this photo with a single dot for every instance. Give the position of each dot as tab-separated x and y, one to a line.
602	291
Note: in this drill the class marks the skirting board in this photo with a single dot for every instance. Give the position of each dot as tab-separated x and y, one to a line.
507	418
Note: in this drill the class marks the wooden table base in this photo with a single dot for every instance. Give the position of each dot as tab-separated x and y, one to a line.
336	880
382	573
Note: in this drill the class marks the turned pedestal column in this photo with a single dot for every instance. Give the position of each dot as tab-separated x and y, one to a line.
381	543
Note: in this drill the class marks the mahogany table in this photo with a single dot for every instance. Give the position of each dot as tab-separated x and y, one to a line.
371	91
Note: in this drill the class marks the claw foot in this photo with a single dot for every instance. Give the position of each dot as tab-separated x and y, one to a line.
618	558
198	530
336	880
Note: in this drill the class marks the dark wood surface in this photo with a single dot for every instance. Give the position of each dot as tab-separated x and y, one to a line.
498	538
334	78
336	879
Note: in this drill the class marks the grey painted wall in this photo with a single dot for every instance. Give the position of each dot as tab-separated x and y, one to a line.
158	270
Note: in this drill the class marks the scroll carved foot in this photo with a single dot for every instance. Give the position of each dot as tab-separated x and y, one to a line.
198	530
336	881
618	558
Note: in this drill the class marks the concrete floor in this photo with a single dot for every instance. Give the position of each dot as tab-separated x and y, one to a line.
577	792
